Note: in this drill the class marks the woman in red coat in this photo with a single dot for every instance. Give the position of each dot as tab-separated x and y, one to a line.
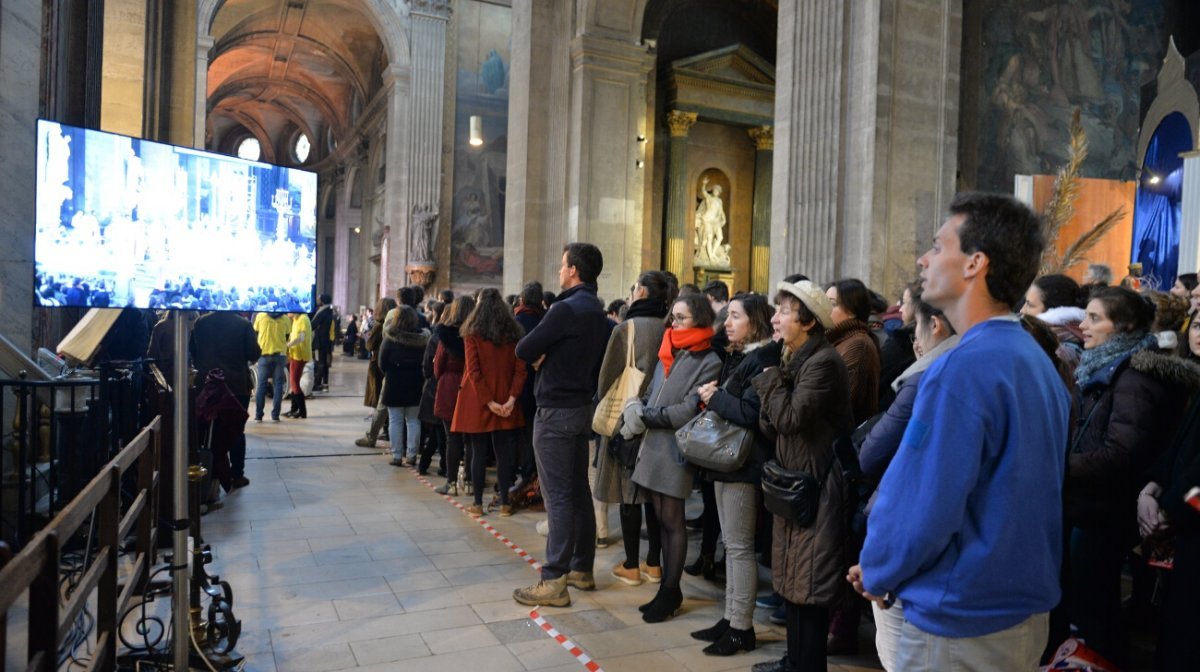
487	411
448	364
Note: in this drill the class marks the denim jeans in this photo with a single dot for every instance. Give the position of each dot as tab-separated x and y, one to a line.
274	369
405	431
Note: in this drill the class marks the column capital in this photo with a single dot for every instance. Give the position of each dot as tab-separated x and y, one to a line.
681	122
763	137
434	9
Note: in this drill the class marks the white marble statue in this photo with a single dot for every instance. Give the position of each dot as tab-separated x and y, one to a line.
710	229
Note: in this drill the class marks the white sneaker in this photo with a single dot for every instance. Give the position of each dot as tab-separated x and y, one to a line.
543	527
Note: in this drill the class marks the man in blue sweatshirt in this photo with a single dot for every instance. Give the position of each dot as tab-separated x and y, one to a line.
566	347
966	535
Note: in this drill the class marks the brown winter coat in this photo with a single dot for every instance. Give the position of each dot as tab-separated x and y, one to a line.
806	407
374	342
860	351
492	373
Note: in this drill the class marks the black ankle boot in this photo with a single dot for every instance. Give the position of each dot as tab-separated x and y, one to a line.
668	602
731	642
714	633
646	607
702	565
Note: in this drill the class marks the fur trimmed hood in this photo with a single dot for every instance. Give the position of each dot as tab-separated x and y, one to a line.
1063	316
408	338
1167	368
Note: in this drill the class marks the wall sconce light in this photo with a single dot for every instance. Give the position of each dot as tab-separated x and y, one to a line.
639	163
1155	179
476	130
641	138
358	229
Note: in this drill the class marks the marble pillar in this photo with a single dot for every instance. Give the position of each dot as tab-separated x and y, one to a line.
679	208
20	47
760	219
539	90
346	246
204	44
428	30
866	105
605	184
396	199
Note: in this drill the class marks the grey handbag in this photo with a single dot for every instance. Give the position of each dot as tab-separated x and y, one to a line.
712	442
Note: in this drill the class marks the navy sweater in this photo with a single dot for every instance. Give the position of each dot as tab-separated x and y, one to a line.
572	335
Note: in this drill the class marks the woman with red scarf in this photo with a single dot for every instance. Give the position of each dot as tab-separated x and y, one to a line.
685	362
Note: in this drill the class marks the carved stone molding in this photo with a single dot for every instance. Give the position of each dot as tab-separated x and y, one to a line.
681	122
438	9
763	137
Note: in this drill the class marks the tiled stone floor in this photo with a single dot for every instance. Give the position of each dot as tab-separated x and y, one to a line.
339	561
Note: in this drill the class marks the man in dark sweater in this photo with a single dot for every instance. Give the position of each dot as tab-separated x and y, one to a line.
567	348
226	341
322	322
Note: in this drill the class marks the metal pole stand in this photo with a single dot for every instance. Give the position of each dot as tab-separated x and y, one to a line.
181	576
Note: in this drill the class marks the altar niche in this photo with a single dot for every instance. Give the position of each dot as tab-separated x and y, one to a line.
719	116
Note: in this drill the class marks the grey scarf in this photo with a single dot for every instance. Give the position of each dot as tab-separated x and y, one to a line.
1116	347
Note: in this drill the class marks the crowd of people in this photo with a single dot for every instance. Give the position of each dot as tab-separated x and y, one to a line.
981	463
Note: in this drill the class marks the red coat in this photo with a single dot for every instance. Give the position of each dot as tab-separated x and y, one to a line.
448	369
493	373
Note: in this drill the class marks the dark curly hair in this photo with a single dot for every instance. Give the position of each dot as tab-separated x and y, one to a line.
492	320
1125	308
1058	290
1009	233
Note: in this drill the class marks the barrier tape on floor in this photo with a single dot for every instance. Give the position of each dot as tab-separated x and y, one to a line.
566	643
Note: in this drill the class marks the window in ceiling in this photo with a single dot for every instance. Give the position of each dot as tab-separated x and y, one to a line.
249	149
302	148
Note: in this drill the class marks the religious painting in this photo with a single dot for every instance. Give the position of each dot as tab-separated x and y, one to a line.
1042	60
710	246
480	153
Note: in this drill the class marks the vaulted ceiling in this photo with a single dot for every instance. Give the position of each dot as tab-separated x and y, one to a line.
282	67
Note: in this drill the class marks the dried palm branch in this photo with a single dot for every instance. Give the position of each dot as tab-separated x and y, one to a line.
1061	207
1076	252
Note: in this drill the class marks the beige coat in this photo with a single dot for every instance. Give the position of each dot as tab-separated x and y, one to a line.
806	407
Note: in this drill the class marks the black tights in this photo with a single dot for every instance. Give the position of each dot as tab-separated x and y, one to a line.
710	522
457	451
674	537
631	534
503	443
807	628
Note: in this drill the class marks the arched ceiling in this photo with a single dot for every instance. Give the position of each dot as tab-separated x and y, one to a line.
281	65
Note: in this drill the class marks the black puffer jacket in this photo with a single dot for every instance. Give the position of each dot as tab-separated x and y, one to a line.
1125	416
738	403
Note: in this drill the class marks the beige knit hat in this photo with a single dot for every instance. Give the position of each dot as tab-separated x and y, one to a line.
812	297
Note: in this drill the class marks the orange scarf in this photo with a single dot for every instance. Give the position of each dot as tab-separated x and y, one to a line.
695	339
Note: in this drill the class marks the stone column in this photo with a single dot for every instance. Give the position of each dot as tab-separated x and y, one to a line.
678	207
1189	220
866	114
605	180
428	20
396	197
20	47
204	44
760	219
539	91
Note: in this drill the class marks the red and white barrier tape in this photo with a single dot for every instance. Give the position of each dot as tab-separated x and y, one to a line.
571	647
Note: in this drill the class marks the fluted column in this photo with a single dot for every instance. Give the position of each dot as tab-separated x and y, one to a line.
760	219
680	123
1189	221
429	19
397	82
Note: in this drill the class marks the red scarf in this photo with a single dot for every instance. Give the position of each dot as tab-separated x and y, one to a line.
695	339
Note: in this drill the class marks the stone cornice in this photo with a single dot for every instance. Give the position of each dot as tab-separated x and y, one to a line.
434	9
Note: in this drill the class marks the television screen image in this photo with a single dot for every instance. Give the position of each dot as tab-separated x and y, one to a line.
128	222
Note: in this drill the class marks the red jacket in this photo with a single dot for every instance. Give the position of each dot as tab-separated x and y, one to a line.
448	369
493	373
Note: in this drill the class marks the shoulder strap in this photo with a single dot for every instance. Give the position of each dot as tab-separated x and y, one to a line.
630	358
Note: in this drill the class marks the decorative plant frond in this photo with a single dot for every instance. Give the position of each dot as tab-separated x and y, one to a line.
1061	207
1076	252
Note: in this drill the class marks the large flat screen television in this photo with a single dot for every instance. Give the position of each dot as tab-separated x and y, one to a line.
128	222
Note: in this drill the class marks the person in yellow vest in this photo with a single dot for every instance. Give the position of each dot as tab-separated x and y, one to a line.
272	330
299	352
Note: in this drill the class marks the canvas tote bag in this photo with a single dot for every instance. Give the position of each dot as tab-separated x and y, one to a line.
608	412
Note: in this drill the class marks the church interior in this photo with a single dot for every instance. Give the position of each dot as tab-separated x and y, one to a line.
460	144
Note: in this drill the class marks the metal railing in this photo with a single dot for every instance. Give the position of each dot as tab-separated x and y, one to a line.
52	614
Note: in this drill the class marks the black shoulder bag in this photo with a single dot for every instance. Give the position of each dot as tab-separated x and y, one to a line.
793	495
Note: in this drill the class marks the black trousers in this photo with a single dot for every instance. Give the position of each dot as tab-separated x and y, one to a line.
504	444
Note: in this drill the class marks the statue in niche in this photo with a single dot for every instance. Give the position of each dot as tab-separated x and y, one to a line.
424	220
711	250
